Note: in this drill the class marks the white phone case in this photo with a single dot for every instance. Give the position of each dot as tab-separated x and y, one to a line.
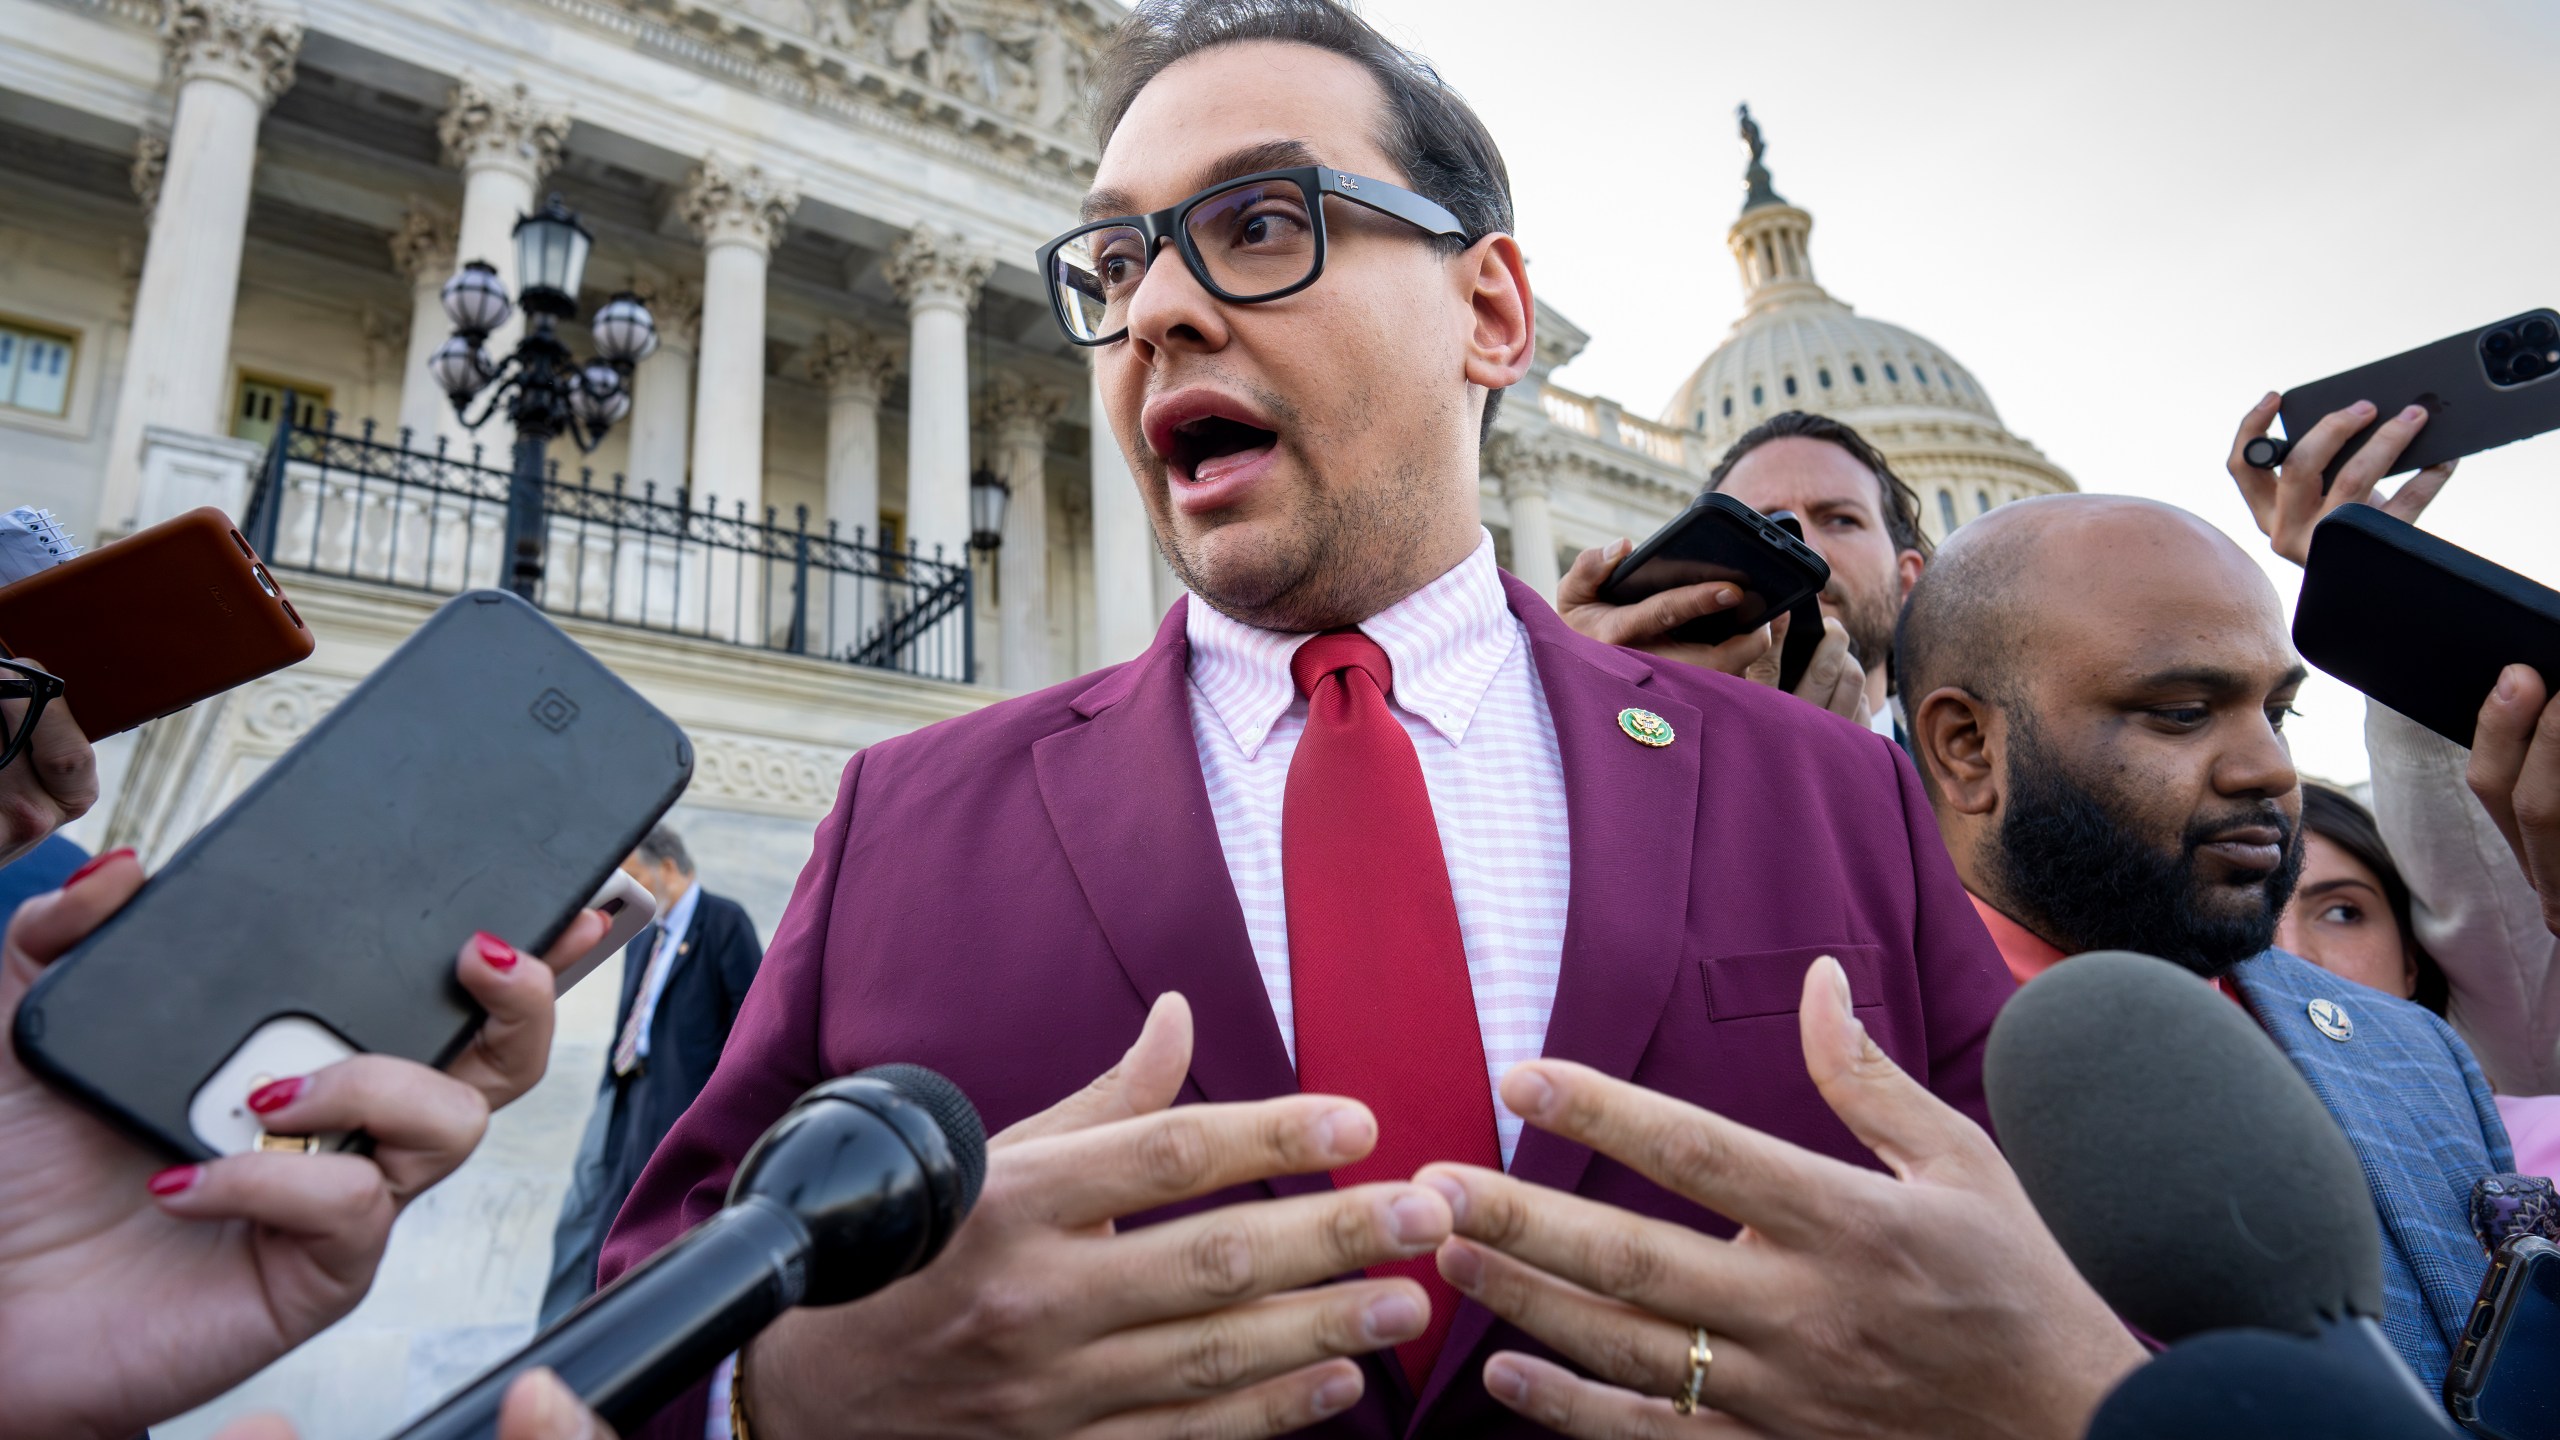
628	907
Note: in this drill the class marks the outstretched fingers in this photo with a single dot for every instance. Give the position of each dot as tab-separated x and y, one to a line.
1785	1191
1566	1403
1909	1129
1102	1173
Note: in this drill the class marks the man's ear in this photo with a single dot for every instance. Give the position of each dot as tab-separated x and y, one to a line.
1907	567
1957	739
1503	337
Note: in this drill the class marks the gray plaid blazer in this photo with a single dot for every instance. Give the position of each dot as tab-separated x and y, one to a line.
2410	1097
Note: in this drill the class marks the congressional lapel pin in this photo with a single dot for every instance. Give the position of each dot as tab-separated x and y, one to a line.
1645	728
2330	1020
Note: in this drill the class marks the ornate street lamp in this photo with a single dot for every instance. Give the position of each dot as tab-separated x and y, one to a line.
545	390
987	496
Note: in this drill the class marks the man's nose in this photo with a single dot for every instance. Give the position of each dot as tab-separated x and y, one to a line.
1170	307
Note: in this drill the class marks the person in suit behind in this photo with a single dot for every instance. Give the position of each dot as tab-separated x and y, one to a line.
683	980
2099	687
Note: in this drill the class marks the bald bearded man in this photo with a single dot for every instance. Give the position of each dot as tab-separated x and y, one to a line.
2097	688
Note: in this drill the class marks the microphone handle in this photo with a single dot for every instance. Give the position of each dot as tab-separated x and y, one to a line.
636	1345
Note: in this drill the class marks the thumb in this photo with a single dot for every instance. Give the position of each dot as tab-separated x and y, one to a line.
260	1427
539	1407
1147	1078
1912	1131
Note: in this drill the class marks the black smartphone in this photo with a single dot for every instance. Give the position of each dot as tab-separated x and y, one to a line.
2504	1382
486	777
2481	389
2422	625
1720	538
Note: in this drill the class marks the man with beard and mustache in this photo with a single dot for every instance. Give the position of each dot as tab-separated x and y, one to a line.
2097	689
1857	514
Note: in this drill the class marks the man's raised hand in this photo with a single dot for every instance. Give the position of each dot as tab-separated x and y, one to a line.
1043	1319
2287	500
1927	1302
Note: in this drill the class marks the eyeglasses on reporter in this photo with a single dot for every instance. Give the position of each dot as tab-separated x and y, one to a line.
1257	237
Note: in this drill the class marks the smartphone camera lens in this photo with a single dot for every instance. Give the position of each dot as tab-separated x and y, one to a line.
2539	333
2498	345
2526	365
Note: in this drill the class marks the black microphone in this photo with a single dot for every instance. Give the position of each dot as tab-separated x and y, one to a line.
862	1182
2196	1182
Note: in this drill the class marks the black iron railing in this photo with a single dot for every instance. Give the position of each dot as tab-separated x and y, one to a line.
349	505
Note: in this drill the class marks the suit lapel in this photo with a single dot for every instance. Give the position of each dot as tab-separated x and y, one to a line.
2377	1117
1125	794
1633	813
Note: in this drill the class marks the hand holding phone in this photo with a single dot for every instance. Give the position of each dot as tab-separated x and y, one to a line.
2291	494
205	1273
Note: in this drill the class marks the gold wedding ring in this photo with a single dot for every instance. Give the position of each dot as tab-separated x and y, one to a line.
1700	1357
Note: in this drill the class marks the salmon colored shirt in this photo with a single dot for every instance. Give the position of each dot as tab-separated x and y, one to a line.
2029	955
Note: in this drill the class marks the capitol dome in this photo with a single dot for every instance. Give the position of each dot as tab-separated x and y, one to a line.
1798	348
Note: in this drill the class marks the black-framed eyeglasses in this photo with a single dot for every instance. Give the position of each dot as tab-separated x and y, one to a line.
1254	238
24	692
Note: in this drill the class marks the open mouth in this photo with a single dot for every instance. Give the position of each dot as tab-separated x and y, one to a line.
1209	447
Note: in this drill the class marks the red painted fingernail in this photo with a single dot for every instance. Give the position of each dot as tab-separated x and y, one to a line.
175	1179
500	955
96	863
275	1094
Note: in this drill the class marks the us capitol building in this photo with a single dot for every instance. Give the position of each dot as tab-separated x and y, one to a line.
224	225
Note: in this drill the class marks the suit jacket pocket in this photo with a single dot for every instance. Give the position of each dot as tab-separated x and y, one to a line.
1771	982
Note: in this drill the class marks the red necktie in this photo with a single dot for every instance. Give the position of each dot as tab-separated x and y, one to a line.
1377	969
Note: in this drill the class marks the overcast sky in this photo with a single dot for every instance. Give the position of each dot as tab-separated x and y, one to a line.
2129	221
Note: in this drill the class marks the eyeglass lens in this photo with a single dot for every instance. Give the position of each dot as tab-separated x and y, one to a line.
1254	240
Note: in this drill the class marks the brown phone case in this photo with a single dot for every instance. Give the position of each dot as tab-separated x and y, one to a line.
154	622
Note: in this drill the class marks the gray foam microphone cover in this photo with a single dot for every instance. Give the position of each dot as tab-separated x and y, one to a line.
2186	1167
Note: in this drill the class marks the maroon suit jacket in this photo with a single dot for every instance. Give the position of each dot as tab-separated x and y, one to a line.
1002	896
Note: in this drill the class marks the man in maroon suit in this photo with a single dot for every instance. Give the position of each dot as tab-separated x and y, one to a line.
1367	821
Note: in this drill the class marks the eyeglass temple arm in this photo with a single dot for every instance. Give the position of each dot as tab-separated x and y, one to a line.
1391	199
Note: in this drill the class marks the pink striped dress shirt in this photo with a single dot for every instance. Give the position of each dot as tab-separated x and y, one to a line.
1466	692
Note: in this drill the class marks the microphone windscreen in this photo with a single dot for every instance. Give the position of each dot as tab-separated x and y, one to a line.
2186	1168
2260	1385
952	1113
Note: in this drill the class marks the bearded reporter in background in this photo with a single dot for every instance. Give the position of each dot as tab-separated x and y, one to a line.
1365	828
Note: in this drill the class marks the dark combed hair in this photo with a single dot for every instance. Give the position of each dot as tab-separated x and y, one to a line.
663	846
1900	503
2334	816
1430	131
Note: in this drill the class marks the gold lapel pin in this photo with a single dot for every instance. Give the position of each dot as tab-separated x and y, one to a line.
1645	728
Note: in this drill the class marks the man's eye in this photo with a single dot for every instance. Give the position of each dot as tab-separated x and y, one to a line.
2280	714
1275	225
2185	717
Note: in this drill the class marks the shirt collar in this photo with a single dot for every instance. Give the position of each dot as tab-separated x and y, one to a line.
1445	641
2028	954
679	916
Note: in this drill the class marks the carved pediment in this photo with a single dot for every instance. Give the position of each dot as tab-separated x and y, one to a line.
1016	68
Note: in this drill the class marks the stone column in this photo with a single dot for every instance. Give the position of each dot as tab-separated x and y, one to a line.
938	275
1124	548
422	251
1019	416
739	212
503	141
1527	469
231	58
662	390
855	365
